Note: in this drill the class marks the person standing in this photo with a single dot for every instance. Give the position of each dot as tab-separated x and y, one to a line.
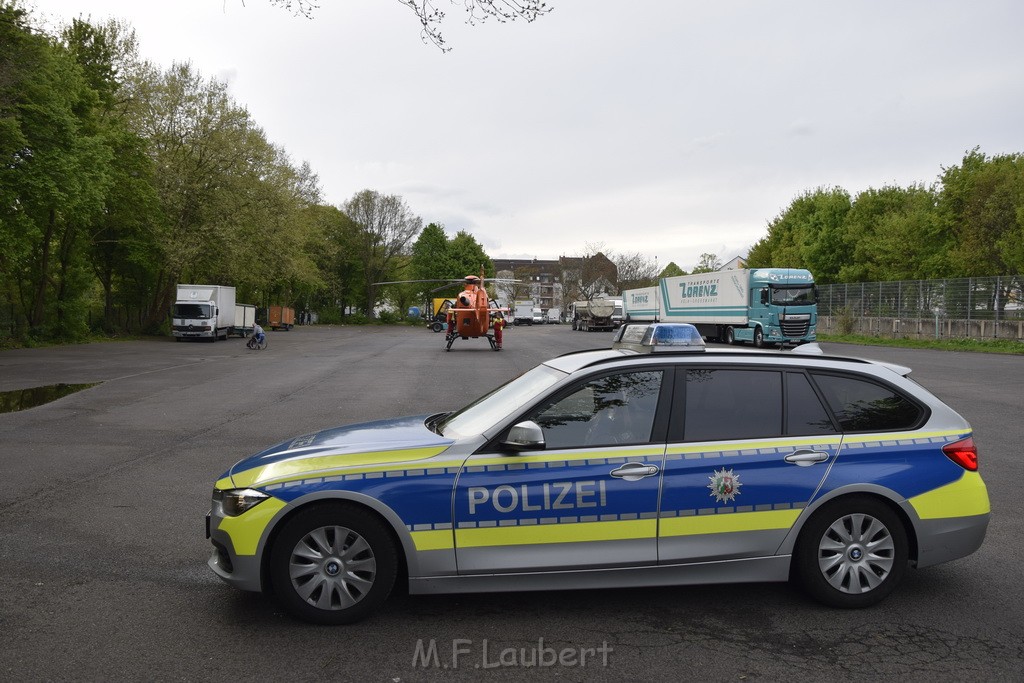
499	325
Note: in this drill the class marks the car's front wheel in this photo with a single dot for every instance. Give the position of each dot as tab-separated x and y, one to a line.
333	564
852	553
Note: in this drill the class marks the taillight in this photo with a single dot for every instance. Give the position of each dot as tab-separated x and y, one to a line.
963	453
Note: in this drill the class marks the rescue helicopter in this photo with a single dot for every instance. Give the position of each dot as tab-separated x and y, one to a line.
470	317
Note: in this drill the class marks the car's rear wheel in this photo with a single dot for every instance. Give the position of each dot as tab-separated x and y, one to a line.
852	553
333	564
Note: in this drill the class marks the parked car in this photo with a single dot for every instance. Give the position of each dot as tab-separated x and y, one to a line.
613	468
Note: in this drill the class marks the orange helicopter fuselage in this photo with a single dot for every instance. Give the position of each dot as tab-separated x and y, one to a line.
472	318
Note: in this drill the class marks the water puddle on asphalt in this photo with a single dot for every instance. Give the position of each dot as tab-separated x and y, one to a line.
23	399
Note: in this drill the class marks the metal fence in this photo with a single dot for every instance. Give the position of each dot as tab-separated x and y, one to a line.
962	308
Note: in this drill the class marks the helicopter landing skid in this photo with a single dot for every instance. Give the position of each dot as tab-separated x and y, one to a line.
452	337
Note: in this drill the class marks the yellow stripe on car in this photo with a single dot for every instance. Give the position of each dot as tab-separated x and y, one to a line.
439	539
735	521
557	533
965	497
312	466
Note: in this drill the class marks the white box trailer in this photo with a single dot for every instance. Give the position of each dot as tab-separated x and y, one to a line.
203	312
245	320
641	305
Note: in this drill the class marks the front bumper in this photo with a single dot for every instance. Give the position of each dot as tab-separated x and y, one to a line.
241	571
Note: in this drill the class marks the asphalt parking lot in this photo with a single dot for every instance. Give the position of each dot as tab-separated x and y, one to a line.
103	556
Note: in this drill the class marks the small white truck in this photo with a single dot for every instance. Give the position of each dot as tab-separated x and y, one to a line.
203	312
522	313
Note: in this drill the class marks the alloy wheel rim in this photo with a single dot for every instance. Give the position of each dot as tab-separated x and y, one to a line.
332	568
856	553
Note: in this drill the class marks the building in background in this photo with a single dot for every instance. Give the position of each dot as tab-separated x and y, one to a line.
555	283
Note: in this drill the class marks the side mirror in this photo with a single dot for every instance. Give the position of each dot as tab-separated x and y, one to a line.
525	436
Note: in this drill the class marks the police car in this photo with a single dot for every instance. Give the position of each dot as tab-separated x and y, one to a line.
614	468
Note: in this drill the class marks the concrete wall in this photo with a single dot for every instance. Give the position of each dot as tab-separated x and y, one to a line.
925	328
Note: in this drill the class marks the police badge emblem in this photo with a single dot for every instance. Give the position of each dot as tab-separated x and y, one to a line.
725	485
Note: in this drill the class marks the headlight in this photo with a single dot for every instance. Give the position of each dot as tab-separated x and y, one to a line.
236	501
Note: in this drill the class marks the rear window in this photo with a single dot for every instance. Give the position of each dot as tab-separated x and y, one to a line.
861	405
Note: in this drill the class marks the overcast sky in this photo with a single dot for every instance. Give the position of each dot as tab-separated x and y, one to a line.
666	127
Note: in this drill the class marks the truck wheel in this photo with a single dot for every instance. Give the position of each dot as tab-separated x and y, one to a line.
759	338
333	564
730	336
437	327
852	552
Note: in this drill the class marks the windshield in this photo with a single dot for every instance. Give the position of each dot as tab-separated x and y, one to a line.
793	296
191	311
488	410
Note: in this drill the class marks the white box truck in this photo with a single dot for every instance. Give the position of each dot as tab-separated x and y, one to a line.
522	313
760	305
203	312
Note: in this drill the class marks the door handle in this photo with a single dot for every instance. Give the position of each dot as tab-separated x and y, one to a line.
804	458
634	471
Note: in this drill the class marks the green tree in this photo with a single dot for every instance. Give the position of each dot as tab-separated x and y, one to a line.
122	253
671	270
332	244
231	202
386	228
52	180
980	205
708	263
809	233
467	256
430	258
895	235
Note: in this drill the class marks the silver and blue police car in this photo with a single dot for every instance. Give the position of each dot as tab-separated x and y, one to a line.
615	468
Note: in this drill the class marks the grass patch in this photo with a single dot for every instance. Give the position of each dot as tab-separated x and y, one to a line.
977	345
7	343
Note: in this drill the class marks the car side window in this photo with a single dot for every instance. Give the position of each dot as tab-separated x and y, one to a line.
732	404
805	415
608	410
864	406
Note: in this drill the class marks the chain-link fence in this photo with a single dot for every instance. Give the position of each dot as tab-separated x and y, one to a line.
963	308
